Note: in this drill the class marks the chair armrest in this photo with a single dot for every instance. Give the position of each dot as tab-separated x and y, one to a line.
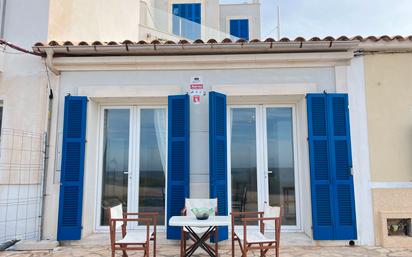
260	219
136	219
141	213
246	213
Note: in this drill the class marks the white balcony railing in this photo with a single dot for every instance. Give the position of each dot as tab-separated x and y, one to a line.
162	25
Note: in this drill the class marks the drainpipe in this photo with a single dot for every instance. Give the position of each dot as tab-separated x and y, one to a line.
49	66
49	61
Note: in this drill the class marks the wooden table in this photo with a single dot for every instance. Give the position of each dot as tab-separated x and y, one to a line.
190	222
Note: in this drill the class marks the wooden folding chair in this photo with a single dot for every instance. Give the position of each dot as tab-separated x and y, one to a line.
257	240
132	240
197	203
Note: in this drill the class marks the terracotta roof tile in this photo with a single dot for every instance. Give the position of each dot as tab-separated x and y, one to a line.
97	43
315	39
212	41
300	39
68	43
127	42
285	39
227	41
384	38
53	43
182	42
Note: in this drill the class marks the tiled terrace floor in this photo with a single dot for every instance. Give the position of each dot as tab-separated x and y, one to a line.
294	244
169	251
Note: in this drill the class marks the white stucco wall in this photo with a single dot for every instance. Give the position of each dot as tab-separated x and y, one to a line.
24	92
274	84
126	86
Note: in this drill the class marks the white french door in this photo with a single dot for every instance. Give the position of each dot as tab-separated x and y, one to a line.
262	160
132	161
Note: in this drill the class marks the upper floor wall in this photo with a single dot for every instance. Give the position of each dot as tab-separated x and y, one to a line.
194	19
77	20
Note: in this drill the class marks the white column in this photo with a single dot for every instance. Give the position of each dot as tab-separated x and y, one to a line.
360	152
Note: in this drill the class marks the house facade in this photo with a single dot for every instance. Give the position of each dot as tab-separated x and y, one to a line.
183	102
147	143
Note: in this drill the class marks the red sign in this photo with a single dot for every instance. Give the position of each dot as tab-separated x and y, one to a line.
196	86
196	99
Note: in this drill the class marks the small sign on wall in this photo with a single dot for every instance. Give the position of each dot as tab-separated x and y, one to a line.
196	89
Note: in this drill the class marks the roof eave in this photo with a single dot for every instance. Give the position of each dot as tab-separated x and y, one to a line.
201	49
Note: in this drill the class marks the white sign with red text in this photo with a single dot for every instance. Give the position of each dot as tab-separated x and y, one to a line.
196	89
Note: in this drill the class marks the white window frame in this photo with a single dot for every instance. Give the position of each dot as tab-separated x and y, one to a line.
202	11
134	163
239	17
261	158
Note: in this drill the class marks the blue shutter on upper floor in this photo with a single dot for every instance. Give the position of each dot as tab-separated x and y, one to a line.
187	20
72	169
178	159
218	156
240	28
333	204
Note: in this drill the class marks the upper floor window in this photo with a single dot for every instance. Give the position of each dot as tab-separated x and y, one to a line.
240	28
187	20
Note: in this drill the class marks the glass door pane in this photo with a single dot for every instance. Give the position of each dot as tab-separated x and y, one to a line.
281	173
115	160
243	160
152	161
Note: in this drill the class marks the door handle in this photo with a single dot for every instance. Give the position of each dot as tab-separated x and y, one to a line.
125	172
270	172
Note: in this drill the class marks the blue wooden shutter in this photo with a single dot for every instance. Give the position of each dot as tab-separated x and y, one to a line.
333	205
322	216
178	159
341	165
190	24
240	28
72	169
218	156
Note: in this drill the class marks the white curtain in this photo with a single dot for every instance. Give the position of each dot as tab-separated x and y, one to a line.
160	127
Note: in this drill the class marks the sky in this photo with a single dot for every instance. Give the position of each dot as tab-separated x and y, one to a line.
309	18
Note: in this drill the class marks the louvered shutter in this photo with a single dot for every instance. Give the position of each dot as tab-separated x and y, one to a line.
178	159
240	28
72	169
322	216
333	204
218	156
340	150
244	29
234	28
